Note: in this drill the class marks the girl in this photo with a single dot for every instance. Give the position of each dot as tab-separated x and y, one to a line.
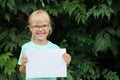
40	26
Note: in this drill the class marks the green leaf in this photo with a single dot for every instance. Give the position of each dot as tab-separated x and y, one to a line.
3	35
102	42
83	19
69	76
108	15
10	46
3	3
43	5
109	2
106	11
109	75
4	58
11	4
12	36
78	17
111	30
114	49
71	9
7	17
9	69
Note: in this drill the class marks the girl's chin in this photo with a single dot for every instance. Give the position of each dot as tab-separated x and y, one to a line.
40	38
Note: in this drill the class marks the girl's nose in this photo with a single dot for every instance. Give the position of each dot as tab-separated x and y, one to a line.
40	28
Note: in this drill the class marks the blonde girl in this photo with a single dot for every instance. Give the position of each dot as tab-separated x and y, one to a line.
40	27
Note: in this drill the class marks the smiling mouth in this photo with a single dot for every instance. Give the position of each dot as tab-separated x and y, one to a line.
40	34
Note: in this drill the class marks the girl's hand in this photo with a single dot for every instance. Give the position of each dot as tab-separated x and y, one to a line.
67	58
24	60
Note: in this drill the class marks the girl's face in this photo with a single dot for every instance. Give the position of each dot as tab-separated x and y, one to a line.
40	31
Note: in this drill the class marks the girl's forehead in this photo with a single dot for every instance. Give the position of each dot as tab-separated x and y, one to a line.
39	23
39	20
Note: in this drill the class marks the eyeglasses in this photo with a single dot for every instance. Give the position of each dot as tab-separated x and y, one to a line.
37	27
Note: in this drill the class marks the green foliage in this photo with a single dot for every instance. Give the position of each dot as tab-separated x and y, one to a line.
4	58
118	32
8	63
76	9
102	42
109	75
12	39
88	29
101	10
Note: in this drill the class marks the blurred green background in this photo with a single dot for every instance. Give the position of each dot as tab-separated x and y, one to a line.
89	29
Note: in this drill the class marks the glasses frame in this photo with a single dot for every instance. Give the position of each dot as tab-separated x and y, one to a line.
37	27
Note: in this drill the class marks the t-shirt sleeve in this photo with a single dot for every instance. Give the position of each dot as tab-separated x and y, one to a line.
20	57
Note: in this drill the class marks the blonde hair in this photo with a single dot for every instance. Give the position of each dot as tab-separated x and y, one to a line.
39	16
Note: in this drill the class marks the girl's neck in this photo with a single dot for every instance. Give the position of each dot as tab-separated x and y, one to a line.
41	42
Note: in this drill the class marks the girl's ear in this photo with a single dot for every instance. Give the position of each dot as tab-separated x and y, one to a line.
30	28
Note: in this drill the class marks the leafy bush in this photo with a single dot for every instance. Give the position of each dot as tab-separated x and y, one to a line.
89	29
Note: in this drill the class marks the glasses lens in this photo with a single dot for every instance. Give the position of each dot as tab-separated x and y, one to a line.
44	26
35	27
38	27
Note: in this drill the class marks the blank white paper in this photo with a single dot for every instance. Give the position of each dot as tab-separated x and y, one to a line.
45	63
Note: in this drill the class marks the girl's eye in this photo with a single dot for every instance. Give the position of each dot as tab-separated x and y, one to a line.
36	26
44	25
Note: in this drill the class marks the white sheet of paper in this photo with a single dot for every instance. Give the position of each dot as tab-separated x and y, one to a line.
45	63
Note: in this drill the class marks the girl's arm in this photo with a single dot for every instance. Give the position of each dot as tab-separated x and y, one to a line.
23	66
67	58
22	69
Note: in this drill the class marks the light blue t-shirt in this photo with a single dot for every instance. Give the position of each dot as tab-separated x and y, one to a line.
32	45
